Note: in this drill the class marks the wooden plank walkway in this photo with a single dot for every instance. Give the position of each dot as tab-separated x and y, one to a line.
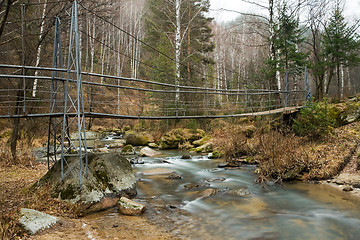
286	110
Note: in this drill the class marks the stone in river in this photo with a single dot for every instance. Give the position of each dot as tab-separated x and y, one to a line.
148	152
208	192
348	189
185	156
129	207
241	192
174	176
220	179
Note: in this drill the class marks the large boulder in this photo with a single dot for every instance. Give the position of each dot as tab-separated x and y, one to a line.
136	139
173	138
110	176
33	221
148	152
129	207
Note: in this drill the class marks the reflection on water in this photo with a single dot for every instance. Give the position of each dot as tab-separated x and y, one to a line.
292	211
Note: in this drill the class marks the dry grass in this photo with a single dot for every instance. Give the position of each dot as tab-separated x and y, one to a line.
281	154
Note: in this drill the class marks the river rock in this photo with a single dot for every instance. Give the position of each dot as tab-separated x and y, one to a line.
136	161
128	150
153	145
173	138
174	176
348	189
118	143
215	180
158	171
109	176
194	185
136	139
129	207
208	192
207	147
148	152
185	146
241	192
186	156
102	150
33	221
215	154
223	165
201	141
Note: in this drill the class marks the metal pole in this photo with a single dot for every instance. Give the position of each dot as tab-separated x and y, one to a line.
307	86
57	57
286	93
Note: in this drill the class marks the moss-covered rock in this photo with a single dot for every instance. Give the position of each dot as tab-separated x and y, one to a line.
136	139
201	141
153	145
215	154
207	147
173	138
109	176
185	146
128	150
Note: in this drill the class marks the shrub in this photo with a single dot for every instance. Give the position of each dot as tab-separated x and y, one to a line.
315	121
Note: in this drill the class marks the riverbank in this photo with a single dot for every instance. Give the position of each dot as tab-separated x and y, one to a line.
15	182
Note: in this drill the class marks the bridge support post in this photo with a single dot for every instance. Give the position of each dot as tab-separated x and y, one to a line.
307	87
73	111
286	92
57	87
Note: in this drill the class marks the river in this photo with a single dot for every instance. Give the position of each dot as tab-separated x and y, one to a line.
288	211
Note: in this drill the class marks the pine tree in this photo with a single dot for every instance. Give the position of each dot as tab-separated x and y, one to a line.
285	40
341	44
180	30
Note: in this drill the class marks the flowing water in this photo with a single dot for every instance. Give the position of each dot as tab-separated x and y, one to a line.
290	211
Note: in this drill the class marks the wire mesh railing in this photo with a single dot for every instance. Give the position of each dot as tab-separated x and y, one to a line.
115	96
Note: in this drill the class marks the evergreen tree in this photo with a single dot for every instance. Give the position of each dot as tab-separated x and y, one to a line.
287	41
180	30
341	44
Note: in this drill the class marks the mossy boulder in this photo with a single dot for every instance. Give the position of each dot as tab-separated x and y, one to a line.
173	138
207	147
136	138
185	146
110	176
201	141
128	150
215	154
345	113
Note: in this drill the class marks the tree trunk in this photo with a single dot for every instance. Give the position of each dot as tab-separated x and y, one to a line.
3	21
38	54
177	49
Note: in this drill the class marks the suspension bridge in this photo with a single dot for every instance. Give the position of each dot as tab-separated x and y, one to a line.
67	96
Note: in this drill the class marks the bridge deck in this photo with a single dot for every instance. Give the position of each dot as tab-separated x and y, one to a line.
286	110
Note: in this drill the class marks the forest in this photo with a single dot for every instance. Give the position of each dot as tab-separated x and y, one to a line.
176	42
179	119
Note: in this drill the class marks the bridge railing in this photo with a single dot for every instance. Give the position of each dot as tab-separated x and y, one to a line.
113	96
